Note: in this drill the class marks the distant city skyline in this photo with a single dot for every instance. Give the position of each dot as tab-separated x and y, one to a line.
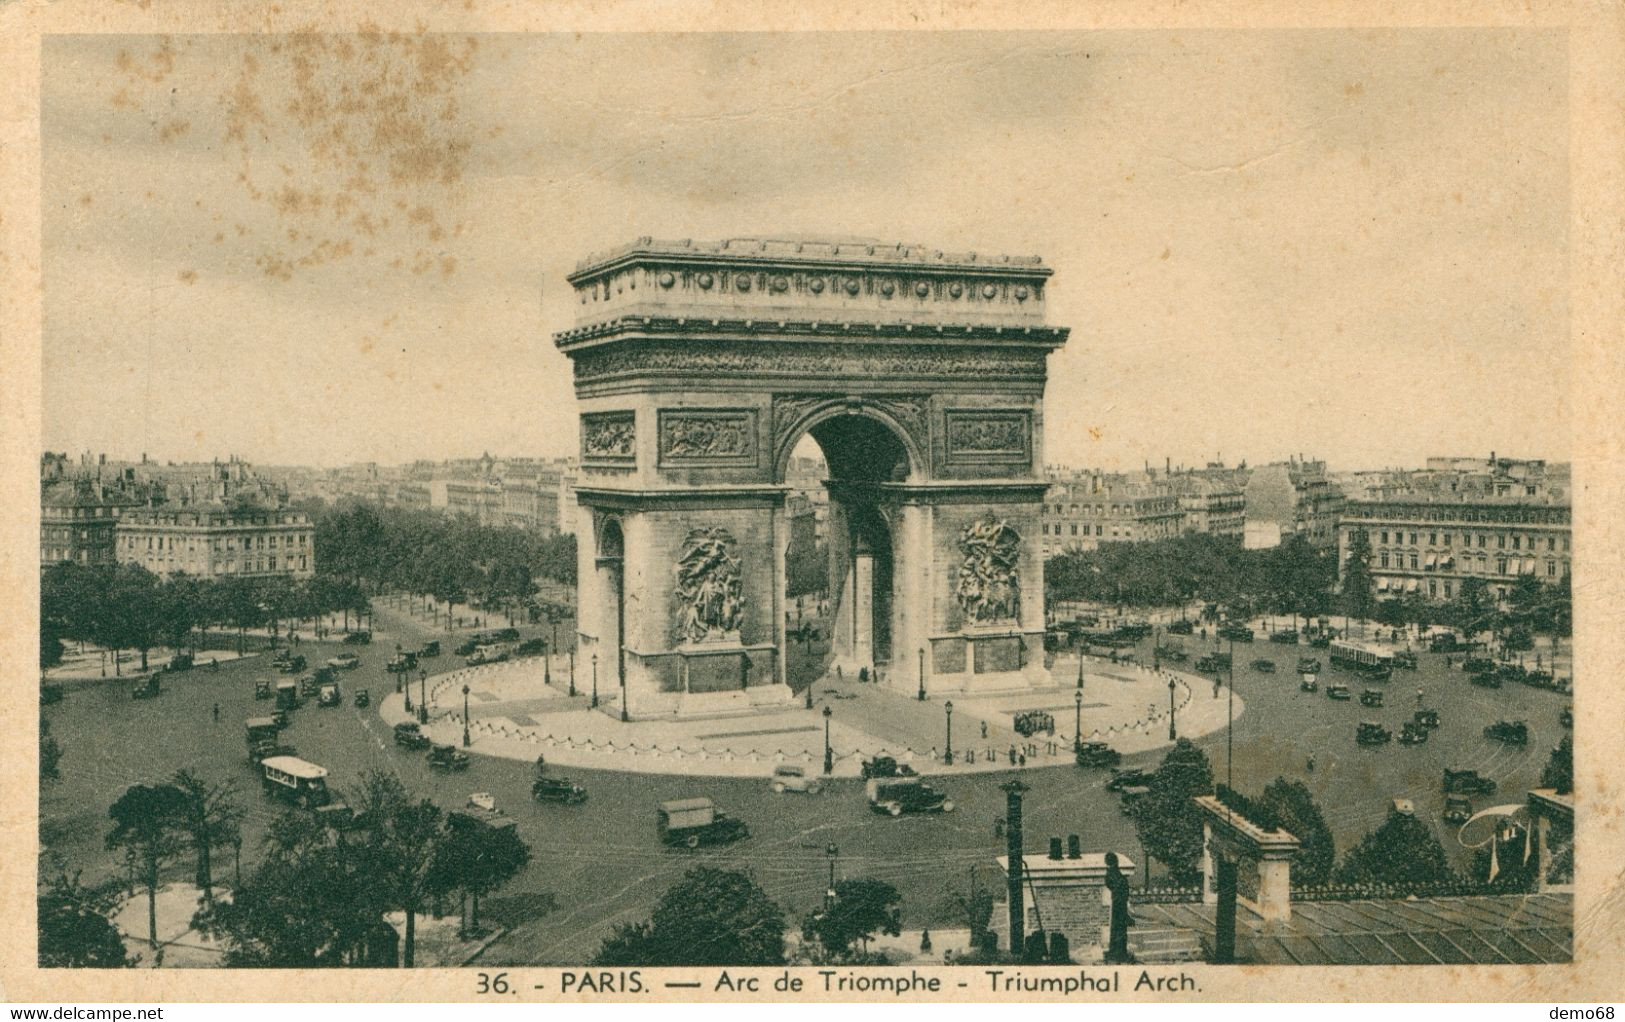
1350	245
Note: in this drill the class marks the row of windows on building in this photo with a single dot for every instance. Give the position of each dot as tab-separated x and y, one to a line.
248	565
218	543
1503	565
1511	516
1503	541
1116	509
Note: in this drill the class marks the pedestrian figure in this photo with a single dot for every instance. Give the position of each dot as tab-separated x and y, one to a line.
984	729
998	827
217	713
1447	663
1023	760
1419	697
213	664
1117	887
1311	763
1012	755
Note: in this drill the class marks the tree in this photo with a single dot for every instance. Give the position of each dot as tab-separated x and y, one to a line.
74	929
1401	851
144	824
477	858
1292	803
861	908
1559	770
50	753
134	615
399	838
1472	607
50	641
211	818
1167	820
709	917
310	903
1357	585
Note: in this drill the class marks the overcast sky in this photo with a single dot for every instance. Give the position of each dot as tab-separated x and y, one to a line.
325	249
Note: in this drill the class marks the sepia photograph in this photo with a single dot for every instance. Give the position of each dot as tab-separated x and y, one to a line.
1008	513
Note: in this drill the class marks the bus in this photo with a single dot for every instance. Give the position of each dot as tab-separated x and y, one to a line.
1360	656
294	780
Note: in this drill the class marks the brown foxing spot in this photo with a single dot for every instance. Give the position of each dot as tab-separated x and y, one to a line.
188	276
85	199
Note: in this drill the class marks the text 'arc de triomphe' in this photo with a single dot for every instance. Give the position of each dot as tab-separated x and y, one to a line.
921	376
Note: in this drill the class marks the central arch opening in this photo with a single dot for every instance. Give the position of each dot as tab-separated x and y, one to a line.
840	563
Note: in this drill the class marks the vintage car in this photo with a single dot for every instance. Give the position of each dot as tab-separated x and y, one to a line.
1443	642
1264	666
886	766
557	789
487	654
1173	654
447	757
692	822
1566	718
179	662
1321	641
287	695
465	648
1122	780
1284	637
1180	627
1370	732
363	697
1210	663
147	686
1512	732
790	777
1098	754
358	638
262	689
409	735
899	795
483	802
1308	683
281	657
1371	697
1377	673
1031	722
1467	782
329	695
430	648
1412	733
1338	692
1406	659
400	663
308	686
324	674
1457	809
344	662
1236	632
292	665
1426	718
1308	665
1132	796
531	647
280	716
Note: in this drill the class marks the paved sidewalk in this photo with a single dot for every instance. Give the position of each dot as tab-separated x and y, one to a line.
514	714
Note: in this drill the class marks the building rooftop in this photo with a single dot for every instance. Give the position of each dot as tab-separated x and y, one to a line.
857	251
1516	929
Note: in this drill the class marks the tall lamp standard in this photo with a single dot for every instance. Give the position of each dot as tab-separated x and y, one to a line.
829	756
1173	735
922	674
829	893
547	664
948	742
595	681
404	680
624	717
572	673
1077	721
423	694
466	742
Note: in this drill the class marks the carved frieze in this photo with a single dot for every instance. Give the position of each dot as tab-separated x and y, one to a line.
911	412
710	589
609	437
989	436
817	360
989	584
708	436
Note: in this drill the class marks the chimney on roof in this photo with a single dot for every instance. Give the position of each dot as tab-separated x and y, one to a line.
1055	848
1074	847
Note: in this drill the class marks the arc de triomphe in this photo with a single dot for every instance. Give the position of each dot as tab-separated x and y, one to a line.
921	376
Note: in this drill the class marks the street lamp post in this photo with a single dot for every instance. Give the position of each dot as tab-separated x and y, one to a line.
547	664
1080	671
466	742
922	674
402	681
829	893
572	673
621	663
1173	735
595	681
423	694
829	755
1077	721
948	742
